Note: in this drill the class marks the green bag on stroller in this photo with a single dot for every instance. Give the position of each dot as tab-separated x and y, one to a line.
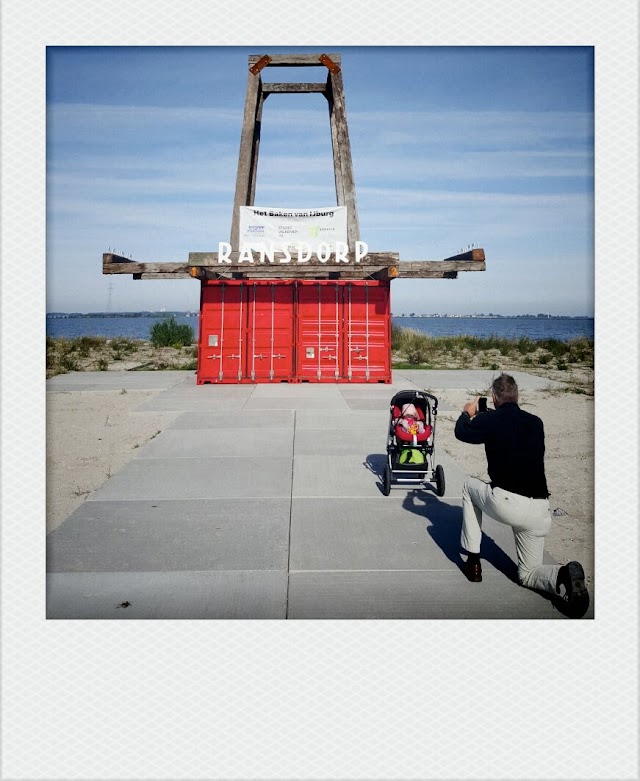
411	455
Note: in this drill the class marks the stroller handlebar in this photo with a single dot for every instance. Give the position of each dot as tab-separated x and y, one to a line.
434	399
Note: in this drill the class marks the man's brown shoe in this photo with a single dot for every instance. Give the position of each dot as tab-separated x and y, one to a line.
473	571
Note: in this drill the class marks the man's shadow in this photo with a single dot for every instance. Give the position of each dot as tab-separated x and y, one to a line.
444	529
445	523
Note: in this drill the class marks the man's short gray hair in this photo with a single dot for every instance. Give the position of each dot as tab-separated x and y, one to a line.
505	389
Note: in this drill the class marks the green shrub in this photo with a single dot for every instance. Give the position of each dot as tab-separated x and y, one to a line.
525	345
169	333
554	346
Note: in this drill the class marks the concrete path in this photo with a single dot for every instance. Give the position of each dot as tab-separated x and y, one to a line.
264	501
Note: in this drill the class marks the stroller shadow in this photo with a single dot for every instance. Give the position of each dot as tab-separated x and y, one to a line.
445	523
375	463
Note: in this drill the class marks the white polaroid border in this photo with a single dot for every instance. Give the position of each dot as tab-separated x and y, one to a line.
318	700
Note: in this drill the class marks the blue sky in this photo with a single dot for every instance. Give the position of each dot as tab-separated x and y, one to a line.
451	146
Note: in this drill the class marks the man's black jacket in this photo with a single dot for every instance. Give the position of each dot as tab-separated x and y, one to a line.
514	444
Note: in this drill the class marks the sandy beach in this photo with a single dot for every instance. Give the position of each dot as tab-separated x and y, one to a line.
90	435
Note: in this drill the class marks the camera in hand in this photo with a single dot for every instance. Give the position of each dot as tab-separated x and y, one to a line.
482	404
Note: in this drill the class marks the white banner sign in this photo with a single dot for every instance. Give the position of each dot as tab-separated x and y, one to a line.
290	229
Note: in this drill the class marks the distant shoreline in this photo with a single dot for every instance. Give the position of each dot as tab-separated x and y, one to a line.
540	316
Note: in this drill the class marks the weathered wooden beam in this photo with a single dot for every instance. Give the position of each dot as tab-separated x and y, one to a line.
165	275
272	272
255	150
370	259
248	156
342	163
422	268
131	267
294	87
266	273
375	265
293	60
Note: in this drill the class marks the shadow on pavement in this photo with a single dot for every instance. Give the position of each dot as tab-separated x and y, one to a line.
445	522
375	463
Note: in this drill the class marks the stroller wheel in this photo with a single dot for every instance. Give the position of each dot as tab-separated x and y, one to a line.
439	480
386	481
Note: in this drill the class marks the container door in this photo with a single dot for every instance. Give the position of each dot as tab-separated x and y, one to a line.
270	332
222	352
366	345
319	326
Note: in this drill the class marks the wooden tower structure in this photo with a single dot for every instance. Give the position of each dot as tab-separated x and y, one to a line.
249	290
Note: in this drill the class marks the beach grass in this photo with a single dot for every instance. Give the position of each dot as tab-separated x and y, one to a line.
570	362
97	353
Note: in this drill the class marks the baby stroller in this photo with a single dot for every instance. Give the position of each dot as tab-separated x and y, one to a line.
410	441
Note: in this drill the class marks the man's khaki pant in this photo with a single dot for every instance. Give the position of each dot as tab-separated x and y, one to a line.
530	520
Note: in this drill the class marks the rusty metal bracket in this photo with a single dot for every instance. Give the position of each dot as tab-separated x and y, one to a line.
262	63
329	63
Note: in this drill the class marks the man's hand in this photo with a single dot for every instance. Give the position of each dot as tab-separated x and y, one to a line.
472	407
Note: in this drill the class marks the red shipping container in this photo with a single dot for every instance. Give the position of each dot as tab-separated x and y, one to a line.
294	331
343	332
246	332
367	332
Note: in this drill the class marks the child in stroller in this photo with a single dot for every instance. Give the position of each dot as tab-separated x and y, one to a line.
411	423
410	441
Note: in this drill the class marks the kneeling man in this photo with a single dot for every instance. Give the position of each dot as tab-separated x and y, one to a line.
517	494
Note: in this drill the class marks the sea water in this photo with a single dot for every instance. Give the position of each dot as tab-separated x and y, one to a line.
139	327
